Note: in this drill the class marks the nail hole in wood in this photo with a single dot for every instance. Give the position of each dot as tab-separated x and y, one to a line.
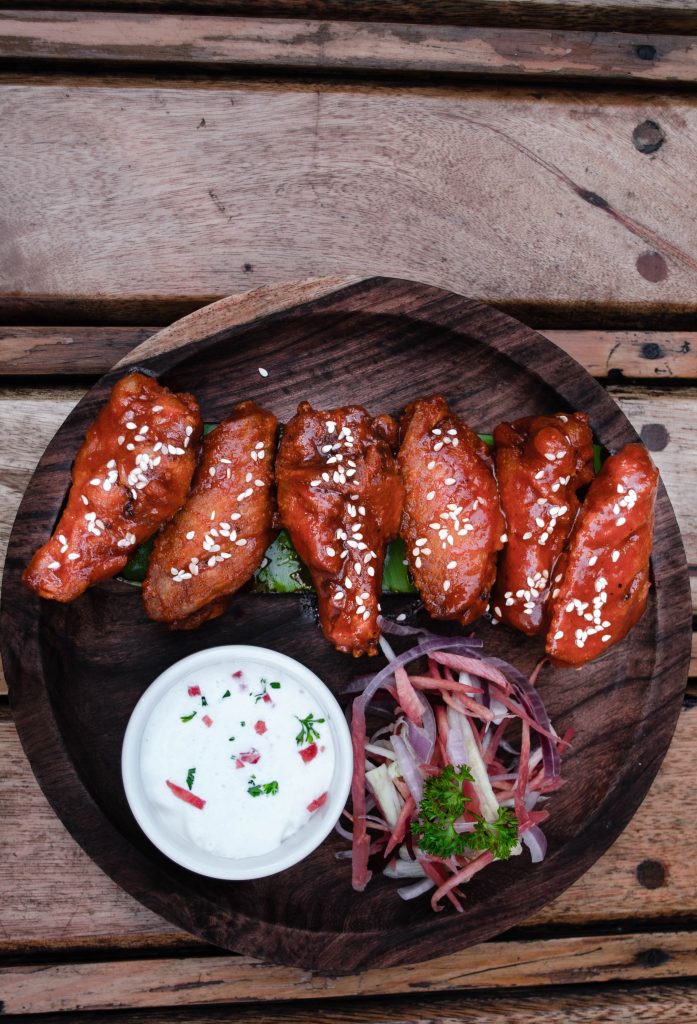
648	136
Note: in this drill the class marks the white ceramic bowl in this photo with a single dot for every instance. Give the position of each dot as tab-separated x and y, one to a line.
297	846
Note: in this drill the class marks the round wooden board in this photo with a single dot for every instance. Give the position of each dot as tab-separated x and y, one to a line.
76	671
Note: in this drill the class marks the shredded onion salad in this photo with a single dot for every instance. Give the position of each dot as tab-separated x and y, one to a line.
438	792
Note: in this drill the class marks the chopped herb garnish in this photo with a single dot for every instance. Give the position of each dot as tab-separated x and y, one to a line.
187	718
263	695
190	776
255	788
443	803
204	702
243	723
230	738
226	694
308	733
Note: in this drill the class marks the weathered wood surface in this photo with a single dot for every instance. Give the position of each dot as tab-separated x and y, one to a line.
631	15
222	979
184	41
29	417
75	351
660	1003
647	875
195	192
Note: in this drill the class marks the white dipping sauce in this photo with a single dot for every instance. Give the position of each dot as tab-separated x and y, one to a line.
249	749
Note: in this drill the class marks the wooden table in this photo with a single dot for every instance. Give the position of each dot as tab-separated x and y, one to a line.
538	155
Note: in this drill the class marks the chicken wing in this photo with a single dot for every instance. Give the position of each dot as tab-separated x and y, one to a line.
452	523
541	464
217	541
602	579
131	475
340	497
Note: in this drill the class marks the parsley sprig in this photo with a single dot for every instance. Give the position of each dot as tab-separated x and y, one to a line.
308	733
255	788
443	802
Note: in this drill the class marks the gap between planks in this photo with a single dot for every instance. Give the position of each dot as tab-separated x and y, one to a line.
635	15
125	40
76	351
210	980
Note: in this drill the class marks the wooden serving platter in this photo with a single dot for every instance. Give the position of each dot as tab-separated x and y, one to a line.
76	671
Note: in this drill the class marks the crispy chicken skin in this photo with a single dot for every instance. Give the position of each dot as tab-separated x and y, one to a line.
602	579
340	497
129	477
541	464
452	523
217	540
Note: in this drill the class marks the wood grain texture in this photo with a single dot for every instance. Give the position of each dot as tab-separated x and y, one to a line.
29	417
208	980
195	42
43	866
660	1003
630	15
252	184
76	351
623	708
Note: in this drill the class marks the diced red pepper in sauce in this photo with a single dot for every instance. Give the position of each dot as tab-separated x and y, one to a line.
194	691
260	728
248	757
207	720
238	674
186	796
267	699
308	753
318	802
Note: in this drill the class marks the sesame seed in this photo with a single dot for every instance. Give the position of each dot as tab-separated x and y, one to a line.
131	425
549	457
157	408
431	464
539	474
527	536
615	555
452	432
605	638
417	563
263	372
451	565
54	565
190	535
504	538
539	522
73	555
430	496
436	432
437	446
95	482
621	521
315	483
347	583
331	426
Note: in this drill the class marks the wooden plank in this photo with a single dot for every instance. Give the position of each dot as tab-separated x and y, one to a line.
184	41
662	1003
222	979
77	351
208	190
631	15
647	874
